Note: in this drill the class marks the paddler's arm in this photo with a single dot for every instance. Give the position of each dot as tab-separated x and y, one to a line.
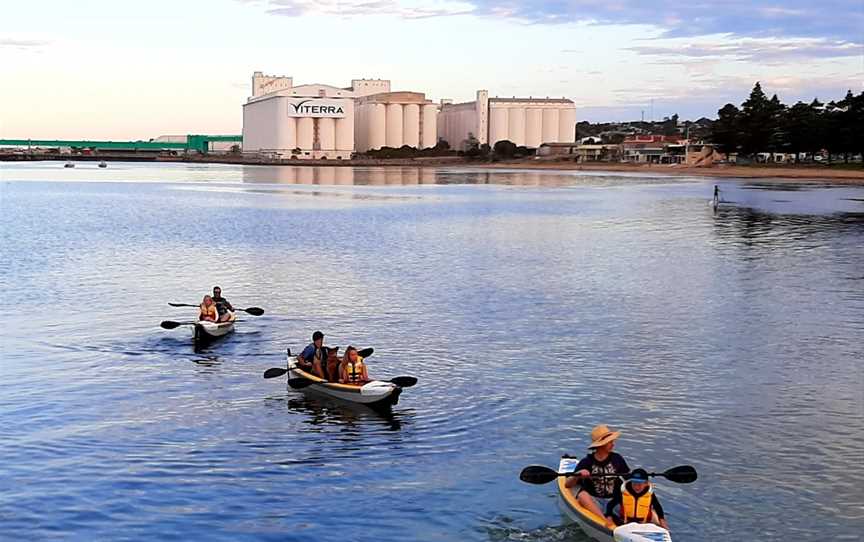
576	478
658	510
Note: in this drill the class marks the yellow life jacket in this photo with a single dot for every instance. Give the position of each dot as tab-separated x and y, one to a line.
354	371
635	508
208	311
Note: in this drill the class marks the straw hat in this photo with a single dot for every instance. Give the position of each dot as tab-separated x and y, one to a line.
601	435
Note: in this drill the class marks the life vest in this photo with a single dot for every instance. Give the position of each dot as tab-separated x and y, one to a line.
208	312
635	508
354	370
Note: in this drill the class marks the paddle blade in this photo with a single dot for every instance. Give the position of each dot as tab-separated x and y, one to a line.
684	474
299	383
273	372
254	311
366	352
182	305
404	381
168	324
538	474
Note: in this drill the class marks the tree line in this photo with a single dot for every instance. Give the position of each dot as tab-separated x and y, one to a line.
765	124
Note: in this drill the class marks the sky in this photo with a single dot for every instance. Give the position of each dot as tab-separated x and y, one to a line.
122	69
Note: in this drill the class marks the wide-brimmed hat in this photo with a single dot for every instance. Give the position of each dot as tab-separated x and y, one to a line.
601	435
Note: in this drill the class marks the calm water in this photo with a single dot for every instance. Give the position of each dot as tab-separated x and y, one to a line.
531	306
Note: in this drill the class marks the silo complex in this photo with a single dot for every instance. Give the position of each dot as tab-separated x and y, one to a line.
394	119
281	120
524	121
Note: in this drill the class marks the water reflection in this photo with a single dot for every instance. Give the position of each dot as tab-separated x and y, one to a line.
321	409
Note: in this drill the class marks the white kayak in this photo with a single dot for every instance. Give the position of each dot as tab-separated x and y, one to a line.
205	331
376	394
595	526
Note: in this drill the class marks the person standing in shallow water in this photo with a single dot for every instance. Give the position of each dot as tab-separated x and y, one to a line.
602	460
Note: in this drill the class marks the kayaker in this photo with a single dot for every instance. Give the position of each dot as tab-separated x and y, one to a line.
207	310
352	370
636	502
601	460
223	307
313	356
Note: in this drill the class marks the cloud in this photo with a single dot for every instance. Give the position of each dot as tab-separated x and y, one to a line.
839	20
751	49
357	8
22	44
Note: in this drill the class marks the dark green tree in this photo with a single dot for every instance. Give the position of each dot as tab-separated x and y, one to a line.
726	132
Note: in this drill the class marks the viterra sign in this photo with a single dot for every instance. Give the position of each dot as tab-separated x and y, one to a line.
315	108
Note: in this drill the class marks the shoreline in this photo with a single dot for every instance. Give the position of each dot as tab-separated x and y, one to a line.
797	173
800	173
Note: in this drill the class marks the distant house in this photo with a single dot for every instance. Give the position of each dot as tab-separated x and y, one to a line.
653	149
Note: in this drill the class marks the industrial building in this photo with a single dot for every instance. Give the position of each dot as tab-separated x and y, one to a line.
394	119
322	121
524	121
281	120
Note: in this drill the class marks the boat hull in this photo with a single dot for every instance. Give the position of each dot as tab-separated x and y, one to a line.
595	526
204	332
375	394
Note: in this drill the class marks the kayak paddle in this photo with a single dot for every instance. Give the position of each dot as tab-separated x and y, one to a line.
538	474
254	311
168	324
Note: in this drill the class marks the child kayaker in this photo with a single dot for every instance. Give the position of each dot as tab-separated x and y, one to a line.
207	310
313	356
601	461
352	370
636	502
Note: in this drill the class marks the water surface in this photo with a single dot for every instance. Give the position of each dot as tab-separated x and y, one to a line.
531	306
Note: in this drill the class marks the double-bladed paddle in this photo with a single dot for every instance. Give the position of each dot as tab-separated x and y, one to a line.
538	474
168	324
254	311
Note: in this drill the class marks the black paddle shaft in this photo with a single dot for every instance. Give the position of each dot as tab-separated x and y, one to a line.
538	474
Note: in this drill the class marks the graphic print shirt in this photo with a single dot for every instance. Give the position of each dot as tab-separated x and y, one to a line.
602	487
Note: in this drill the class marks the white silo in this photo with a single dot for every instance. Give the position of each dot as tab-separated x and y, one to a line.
377	126
533	127
430	126
327	134
305	132
567	125
498	125
345	134
550	125
394	125
516	130
411	125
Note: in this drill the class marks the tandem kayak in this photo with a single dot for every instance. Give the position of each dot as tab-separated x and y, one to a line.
377	394
205	331
595	526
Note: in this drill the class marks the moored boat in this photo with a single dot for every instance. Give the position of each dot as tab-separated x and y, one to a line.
595	526
377	394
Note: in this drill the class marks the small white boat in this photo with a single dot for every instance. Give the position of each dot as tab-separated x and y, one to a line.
375	394
595	526
205	331
69	164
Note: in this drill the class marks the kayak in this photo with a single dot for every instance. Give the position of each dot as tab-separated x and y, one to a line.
595	526
205	331
376	394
